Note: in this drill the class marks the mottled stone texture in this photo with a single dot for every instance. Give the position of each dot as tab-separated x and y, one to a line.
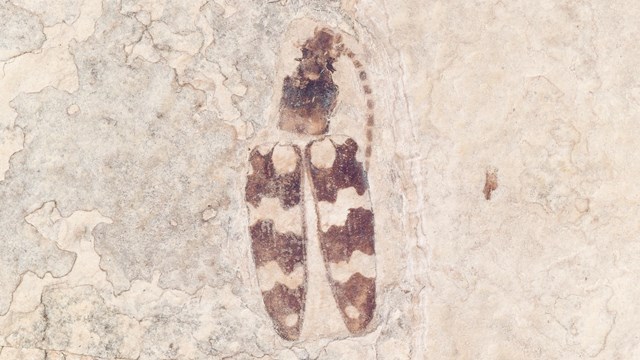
21	32
125	129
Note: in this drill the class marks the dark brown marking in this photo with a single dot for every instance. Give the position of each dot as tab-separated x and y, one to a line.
363	75
310	95
269	245
346	172
369	135
350	54
367	89
370	104
367	151
490	183
370	120
264	182
360	292
339	242
358	64
282	301
287	250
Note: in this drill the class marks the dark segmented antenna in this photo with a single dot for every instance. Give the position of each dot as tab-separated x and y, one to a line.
368	97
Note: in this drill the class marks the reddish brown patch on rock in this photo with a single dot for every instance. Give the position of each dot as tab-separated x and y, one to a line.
370	104
490	183
345	172
359	292
269	245
339	242
281	302
265	182
370	120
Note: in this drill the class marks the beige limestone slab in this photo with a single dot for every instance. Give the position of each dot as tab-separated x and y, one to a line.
124	136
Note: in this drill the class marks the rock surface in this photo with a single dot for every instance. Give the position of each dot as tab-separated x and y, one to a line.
501	176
